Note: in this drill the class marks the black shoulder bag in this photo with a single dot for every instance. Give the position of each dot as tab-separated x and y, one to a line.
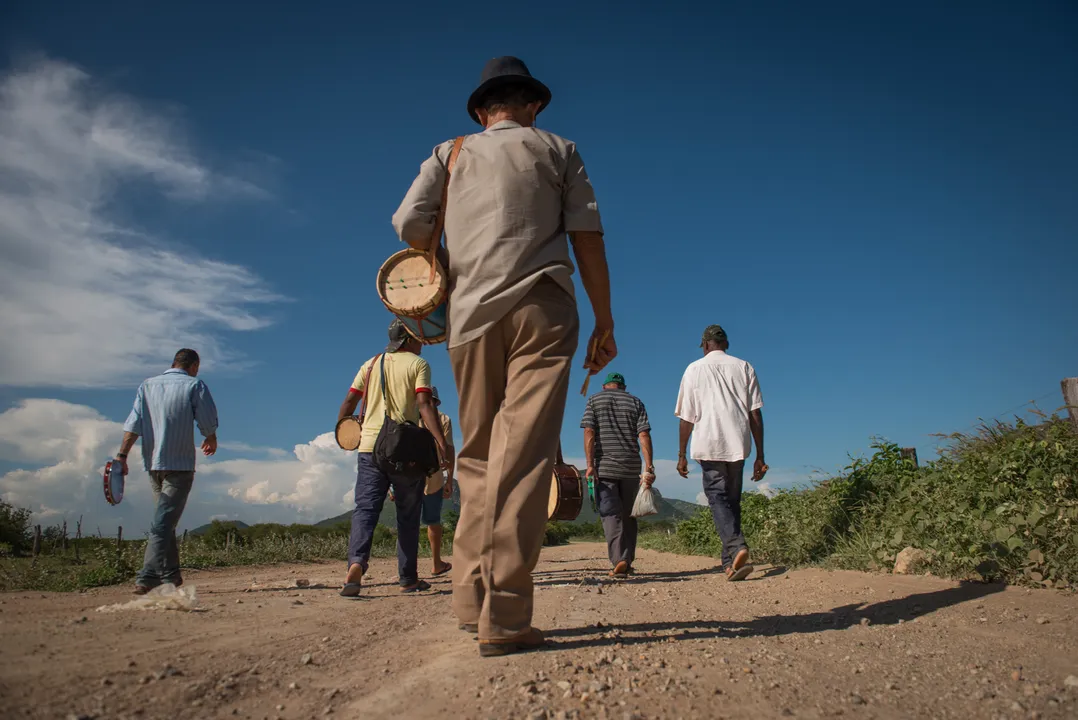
404	447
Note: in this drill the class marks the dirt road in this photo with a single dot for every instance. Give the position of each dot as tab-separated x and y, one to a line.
676	641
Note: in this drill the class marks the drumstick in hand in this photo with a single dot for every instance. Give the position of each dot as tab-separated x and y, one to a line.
592	352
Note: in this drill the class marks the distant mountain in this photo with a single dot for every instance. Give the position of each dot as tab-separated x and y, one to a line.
234	524
687	509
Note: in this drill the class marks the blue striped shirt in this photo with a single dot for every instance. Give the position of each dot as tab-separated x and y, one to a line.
166	406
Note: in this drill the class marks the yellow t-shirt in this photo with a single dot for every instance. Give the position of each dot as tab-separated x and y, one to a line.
407	375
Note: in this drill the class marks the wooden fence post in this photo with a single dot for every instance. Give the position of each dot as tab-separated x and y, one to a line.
910	454
37	540
78	536
63	538
184	541
1070	398
119	540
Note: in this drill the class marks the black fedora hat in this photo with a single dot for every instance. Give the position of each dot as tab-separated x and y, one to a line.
505	71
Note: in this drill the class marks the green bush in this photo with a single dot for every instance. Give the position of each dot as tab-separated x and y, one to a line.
998	505
15	536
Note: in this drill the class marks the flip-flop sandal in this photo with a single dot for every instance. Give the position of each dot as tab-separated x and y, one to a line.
417	588
444	570
740	574
351	590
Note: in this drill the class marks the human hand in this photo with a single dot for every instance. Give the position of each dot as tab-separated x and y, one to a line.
648	478
759	469
447	455
601	349
447	489
209	445
123	463
683	466
590	472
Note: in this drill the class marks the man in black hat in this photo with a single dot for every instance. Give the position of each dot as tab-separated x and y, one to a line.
720	406
515	193
407	390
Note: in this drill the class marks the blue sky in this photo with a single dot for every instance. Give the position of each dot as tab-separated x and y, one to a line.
878	204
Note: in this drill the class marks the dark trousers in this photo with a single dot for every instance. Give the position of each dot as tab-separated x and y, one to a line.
372	484
616	498
722	487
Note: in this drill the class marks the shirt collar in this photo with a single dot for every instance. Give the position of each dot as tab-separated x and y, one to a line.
505	125
174	370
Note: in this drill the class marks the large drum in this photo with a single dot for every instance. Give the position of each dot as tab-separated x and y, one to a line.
566	493
407	291
349	432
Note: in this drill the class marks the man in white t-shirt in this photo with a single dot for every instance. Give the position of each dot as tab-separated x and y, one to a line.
719	404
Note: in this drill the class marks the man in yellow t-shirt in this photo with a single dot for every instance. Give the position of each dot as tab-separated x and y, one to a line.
439	488
407	393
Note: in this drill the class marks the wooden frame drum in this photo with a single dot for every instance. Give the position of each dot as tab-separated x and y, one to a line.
407	291
566	494
349	432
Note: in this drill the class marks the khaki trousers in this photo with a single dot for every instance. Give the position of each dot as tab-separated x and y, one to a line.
512	384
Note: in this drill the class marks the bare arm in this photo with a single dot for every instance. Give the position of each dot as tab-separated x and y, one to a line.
348	407
589	449
589	249
125	447
646	450
684	431
756	425
429	413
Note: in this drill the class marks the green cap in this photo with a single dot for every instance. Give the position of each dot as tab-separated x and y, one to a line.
715	333
615	378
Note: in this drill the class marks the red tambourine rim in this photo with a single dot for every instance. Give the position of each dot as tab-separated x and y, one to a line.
108	486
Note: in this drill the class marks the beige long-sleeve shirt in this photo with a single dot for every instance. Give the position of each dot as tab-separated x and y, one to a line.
514	194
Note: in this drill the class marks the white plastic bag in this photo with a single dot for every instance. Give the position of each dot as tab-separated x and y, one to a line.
645	503
162	597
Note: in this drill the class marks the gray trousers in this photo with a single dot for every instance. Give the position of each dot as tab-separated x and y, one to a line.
722	487
616	498
161	563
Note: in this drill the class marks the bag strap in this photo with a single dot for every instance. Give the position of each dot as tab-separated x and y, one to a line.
439	221
561	460
385	397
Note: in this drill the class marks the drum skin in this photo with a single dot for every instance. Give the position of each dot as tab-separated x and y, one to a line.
566	494
407	290
348	433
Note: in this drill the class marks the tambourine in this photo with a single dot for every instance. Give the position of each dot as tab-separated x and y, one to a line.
114	482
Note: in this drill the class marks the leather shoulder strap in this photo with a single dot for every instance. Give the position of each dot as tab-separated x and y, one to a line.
366	392
439	221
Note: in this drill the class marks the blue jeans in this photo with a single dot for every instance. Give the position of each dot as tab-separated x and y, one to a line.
162	561
372	484
432	509
722	487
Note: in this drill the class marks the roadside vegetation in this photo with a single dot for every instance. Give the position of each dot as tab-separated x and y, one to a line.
1000	504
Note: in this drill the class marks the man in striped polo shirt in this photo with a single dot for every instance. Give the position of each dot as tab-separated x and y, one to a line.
166	408
616	431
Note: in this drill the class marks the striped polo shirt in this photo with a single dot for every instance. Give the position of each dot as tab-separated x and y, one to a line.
166	408
617	418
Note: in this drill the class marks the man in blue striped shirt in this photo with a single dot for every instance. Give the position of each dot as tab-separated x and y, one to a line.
166	406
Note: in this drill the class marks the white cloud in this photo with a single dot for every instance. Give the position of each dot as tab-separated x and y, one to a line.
87	299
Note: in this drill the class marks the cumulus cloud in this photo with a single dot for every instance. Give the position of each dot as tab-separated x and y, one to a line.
64	446
73	274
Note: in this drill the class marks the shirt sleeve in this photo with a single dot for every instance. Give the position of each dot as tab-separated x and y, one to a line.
205	409
422	376
756	400
588	421
580	210
360	382
686	407
134	420
642	424
447	430
414	219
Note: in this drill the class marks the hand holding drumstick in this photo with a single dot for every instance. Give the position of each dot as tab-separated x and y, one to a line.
601	350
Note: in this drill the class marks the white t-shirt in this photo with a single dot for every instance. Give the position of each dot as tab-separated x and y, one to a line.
717	393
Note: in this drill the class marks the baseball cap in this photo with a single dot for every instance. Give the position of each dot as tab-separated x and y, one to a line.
615	378
397	336
714	333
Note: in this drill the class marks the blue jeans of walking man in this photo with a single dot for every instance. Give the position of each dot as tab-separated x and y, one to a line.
722	487
372	484
161	563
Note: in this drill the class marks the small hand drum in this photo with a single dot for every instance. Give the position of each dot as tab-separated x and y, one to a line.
566	494
407	291
349	432
114	482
